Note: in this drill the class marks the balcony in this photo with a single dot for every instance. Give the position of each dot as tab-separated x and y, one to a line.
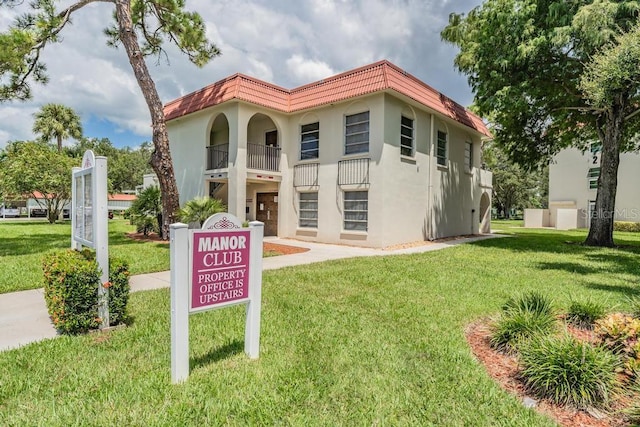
217	156
484	178
263	157
259	157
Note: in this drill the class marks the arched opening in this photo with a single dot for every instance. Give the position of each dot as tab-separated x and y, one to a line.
485	213
218	146
263	143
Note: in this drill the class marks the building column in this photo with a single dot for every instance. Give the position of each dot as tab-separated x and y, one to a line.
237	195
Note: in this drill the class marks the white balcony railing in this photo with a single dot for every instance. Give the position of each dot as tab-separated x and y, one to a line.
259	156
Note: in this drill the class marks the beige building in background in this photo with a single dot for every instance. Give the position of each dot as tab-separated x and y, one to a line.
371	157
573	179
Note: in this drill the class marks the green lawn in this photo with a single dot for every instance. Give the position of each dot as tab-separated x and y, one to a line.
23	243
372	341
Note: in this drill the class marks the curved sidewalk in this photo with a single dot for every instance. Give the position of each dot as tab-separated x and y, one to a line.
24	318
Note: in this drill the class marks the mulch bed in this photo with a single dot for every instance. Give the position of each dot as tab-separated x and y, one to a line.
504	370
272	249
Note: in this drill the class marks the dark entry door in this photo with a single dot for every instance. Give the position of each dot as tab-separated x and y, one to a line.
267	212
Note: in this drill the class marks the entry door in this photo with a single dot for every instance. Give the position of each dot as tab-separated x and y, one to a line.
267	212
271	138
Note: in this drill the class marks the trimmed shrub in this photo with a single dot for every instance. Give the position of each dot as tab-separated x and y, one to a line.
633	227
567	371
618	332
516	326
585	313
71	286
532	302
621	334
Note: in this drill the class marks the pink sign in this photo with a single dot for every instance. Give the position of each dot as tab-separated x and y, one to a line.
220	272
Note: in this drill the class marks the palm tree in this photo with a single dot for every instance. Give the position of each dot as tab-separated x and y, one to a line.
57	121
199	209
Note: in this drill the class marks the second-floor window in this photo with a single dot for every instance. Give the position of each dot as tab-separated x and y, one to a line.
310	141
468	156
406	136
592	176
441	148
356	133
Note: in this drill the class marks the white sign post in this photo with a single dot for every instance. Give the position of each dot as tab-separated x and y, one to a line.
89	220
217	266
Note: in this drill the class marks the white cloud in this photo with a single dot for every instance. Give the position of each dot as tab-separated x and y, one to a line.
308	70
283	42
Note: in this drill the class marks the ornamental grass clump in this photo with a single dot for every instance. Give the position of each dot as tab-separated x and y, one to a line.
532	302
584	314
522	318
568	371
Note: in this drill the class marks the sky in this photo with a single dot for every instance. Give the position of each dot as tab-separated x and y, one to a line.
285	42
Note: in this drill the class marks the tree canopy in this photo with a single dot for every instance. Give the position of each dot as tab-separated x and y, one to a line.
59	122
126	166
513	186
154	22
39	171
533	66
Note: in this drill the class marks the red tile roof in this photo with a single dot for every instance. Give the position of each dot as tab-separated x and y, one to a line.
122	197
376	77
112	197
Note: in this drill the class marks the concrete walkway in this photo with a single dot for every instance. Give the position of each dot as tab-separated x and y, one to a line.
24	318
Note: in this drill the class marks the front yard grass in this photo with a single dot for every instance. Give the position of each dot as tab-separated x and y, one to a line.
24	243
350	342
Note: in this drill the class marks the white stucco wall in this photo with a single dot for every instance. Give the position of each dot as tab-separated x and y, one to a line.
568	182
399	209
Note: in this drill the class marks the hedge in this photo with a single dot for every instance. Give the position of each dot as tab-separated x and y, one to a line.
71	286
626	226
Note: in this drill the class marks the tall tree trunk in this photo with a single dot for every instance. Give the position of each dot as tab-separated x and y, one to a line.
161	157
601	231
59	144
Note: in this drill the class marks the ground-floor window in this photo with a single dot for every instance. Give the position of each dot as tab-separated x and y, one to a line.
308	210
356	210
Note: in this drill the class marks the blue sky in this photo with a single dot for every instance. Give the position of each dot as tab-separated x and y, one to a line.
283	42
94	127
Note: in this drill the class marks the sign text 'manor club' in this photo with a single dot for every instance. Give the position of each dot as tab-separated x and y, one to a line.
220	271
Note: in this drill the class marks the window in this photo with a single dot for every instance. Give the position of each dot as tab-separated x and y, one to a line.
468	156
592	176
406	136
309	141
441	149
356	210
308	212
356	133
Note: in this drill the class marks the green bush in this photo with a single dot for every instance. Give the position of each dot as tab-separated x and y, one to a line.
201	208
71	286
635	307
633	227
567	371
532	302
585	313
516	326
621	334
146	211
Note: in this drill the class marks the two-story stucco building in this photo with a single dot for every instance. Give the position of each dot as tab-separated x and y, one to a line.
573	183
371	157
